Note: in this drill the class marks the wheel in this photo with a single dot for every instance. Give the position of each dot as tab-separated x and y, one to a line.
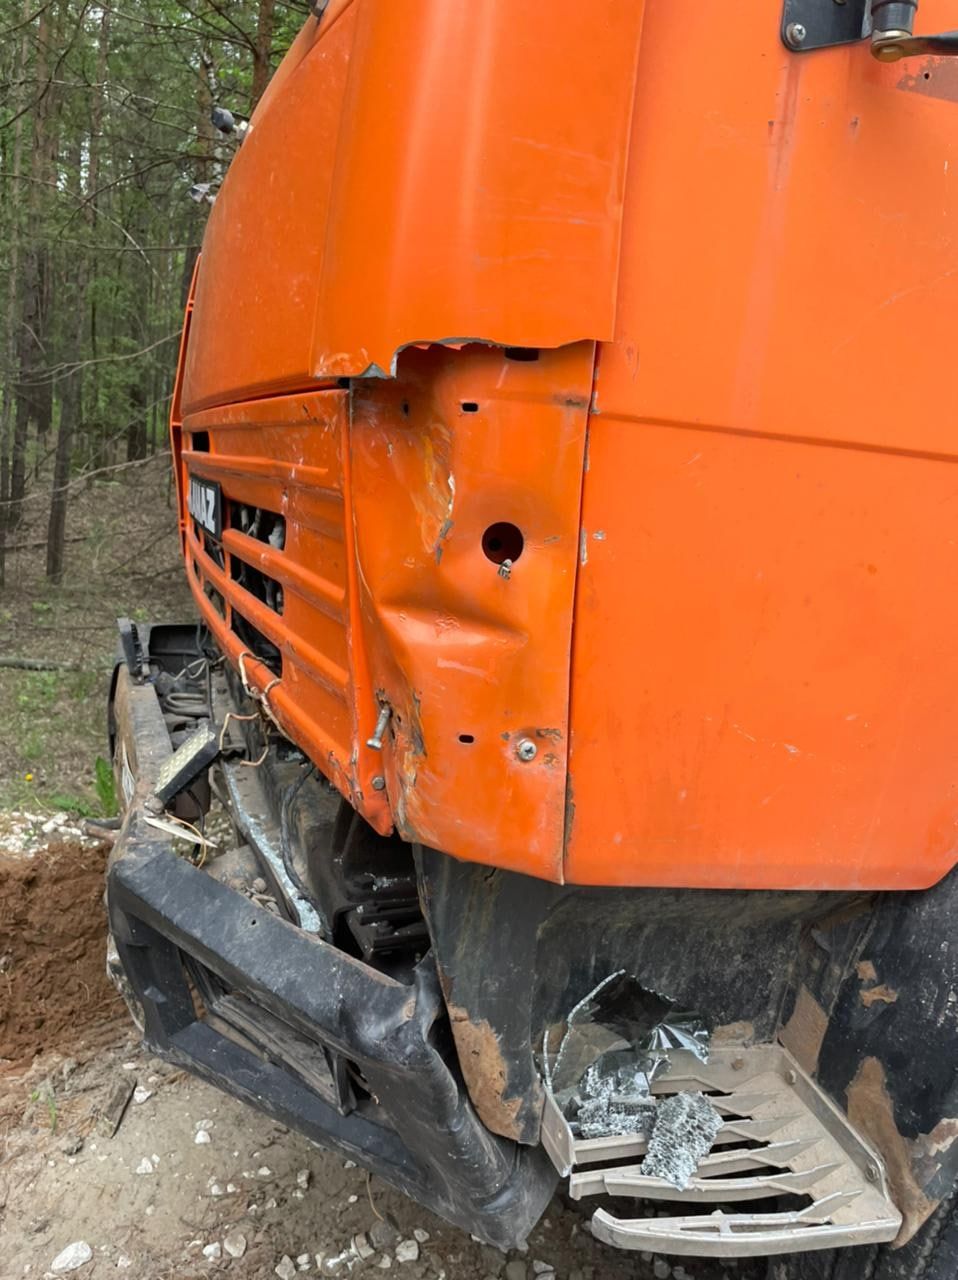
932	1254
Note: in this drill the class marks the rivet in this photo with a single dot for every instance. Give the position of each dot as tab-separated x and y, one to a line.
526	750
795	34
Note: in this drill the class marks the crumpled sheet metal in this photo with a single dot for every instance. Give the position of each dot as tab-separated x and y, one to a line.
617	1039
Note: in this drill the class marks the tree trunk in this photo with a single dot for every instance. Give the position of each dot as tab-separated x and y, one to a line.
69	416
31	402
262	51
136	430
70	402
13	233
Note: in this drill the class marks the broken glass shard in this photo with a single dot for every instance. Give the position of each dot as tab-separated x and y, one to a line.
685	1127
615	1041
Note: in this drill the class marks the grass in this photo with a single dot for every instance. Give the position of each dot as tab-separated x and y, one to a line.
53	750
53	721
51	1104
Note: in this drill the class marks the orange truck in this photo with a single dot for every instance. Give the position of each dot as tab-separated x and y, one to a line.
567	489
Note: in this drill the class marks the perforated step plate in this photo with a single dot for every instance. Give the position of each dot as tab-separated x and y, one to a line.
781	1137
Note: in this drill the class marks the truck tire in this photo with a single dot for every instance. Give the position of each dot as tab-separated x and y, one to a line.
932	1254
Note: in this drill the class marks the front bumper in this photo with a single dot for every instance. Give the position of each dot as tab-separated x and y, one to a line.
269	1013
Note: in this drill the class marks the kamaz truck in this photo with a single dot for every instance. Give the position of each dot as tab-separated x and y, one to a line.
566	455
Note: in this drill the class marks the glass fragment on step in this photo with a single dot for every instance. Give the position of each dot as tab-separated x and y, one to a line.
614	1043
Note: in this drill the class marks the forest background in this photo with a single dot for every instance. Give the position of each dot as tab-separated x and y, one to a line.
108	163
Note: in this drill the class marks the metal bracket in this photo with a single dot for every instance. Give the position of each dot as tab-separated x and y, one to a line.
820	24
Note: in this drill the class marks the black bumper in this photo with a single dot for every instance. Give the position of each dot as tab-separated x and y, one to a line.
413	1124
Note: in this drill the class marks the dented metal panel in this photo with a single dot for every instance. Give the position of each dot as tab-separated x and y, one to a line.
466	472
420	601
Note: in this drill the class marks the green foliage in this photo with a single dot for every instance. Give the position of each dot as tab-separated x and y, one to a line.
50	1101
40	714
75	805
105	786
104	128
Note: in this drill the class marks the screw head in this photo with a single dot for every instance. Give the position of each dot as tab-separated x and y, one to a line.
795	34
526	750
379	782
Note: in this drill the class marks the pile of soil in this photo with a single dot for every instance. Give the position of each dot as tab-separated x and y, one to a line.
53	984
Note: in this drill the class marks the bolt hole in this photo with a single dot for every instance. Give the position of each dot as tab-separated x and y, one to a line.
466	737
470	406
926	75
405	408
252	922
503	541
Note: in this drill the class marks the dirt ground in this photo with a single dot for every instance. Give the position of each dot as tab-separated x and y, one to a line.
52	961
192	1184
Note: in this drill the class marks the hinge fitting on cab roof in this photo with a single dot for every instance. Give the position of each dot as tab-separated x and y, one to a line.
889	24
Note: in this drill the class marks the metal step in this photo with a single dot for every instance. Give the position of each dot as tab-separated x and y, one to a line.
804	1146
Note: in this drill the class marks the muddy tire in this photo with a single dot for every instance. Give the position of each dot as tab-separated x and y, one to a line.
931	1255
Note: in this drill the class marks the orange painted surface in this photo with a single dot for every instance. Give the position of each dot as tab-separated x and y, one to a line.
425	171
765	687
473	657
729	634
289	456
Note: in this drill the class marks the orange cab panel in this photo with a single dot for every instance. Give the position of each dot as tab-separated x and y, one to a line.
466	477
422	172
765	682
598	374
278	587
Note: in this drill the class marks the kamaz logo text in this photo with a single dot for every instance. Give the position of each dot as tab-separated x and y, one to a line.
203	506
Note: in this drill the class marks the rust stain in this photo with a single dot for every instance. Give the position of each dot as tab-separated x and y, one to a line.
934	78
734	1033
929	1151
941	1137
430	485
804	1032
866	971
871	1111
484	1070
875	995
